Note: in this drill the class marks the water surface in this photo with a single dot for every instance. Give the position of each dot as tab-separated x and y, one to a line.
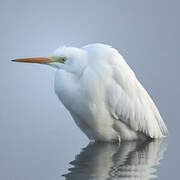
128	160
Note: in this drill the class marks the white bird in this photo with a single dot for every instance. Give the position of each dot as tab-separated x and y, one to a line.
102	94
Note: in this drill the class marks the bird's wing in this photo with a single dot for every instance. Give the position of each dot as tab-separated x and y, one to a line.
129	102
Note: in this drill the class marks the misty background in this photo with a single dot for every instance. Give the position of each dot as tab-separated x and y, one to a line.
38	138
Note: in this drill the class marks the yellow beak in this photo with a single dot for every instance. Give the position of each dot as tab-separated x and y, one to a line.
40	60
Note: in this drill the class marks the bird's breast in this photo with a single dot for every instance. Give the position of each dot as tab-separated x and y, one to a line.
86	100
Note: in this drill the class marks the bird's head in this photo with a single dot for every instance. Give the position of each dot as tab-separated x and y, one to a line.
70	59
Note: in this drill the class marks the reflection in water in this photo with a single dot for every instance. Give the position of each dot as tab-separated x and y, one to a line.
129	160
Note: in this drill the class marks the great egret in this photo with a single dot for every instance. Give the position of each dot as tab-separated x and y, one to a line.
102	94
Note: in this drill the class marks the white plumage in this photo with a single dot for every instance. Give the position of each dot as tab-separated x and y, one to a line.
104	96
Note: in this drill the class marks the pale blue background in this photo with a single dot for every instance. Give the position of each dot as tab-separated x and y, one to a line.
37	135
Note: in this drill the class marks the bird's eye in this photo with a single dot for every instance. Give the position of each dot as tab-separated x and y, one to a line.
62	60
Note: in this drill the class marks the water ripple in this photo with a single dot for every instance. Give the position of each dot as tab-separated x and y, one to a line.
129	160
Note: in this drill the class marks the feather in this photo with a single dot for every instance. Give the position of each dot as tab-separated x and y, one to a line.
131	104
